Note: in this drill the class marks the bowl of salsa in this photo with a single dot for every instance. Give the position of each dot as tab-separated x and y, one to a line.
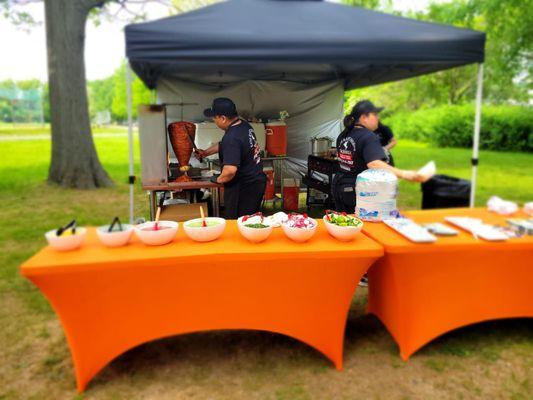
204	230
158	234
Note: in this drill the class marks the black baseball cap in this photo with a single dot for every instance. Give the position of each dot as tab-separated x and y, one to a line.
221	106
364	107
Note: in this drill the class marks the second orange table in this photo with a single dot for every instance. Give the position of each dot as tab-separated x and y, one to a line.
110	300
420	291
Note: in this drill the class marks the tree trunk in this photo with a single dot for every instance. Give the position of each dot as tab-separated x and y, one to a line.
74	160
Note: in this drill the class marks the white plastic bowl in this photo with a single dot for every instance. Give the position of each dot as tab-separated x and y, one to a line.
66	243
115	238
204	233
344	233
159	237
299	235
254	235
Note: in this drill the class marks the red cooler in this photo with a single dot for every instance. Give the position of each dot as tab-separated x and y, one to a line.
276	138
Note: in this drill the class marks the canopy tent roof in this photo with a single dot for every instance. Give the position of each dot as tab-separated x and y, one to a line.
304	41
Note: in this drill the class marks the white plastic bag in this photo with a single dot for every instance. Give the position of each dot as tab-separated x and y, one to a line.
502	207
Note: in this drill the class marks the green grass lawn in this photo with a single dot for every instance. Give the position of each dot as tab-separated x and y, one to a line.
38	129
491	360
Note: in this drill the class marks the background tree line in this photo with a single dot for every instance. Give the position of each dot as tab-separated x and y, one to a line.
508	66
20	101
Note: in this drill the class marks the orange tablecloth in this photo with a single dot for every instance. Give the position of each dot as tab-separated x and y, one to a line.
420	291
110	300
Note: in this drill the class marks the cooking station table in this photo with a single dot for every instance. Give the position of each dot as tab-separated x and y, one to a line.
421	291
153	189
111	300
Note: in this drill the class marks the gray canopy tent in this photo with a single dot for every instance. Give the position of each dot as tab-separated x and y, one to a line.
301	54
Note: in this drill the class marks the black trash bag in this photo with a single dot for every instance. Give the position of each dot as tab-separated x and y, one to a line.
443	191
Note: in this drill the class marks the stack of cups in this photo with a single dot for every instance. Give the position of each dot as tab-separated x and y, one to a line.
376	192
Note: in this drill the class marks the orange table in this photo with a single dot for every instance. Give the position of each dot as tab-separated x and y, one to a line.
421	291
110	300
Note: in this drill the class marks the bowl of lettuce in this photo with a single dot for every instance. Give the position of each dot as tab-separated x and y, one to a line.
342	226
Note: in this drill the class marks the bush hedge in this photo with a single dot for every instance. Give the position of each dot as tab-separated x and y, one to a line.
502	127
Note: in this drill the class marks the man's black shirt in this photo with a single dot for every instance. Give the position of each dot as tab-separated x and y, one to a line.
239	148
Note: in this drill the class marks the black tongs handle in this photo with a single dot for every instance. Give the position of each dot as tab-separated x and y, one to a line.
71	224
116	220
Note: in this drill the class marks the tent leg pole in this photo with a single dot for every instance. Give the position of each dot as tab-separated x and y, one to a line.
131	179
477	126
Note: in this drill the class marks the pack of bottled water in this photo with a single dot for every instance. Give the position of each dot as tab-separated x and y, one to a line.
376	191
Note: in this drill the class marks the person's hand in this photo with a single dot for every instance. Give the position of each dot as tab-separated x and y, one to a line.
412	176
200	154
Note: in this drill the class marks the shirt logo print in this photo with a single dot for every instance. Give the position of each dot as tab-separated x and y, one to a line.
255	147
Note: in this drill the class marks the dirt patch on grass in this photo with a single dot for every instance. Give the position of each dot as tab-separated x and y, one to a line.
33	349
261	365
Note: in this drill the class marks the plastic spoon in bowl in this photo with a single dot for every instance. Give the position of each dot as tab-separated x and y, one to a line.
156	227
203	217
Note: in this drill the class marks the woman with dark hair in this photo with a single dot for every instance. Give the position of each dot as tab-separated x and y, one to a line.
358	148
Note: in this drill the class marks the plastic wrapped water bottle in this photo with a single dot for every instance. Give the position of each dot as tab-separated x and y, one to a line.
376	192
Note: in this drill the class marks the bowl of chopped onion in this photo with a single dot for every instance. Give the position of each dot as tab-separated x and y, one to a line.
299	227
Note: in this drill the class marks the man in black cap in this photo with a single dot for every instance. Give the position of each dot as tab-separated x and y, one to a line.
358	148
242	170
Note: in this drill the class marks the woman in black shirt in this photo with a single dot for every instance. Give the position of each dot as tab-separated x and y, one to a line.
358	148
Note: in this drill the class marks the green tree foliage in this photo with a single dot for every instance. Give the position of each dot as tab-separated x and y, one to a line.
181	6
509	28
370	4
6	105
24	101
140	95
105	95
508	25
100	93
504	128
